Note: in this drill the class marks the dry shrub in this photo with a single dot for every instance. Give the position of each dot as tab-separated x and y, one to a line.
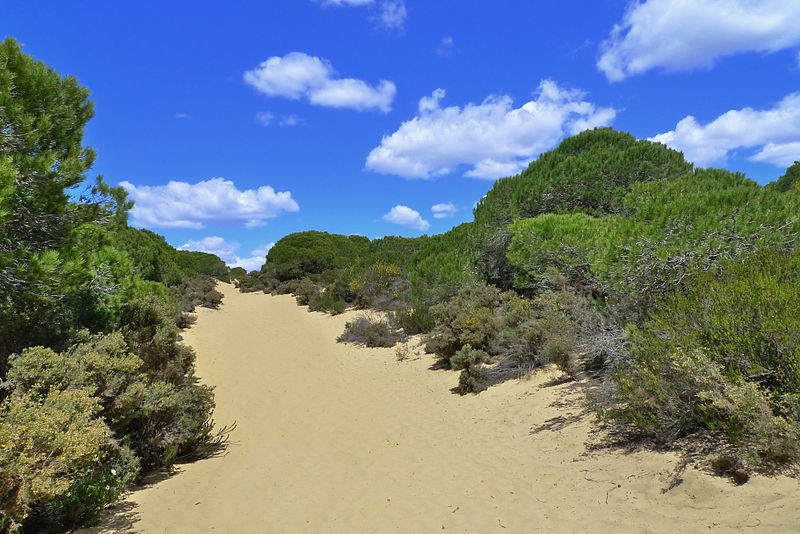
372	331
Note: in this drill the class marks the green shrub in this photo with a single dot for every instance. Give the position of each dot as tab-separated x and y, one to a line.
481	324
305	291
149	329
469	318
473	379
379	286
328	302
198	290
466	357
54	445
416	320
165	422
153	413
722	356
254	281
372	331
83	503
99	364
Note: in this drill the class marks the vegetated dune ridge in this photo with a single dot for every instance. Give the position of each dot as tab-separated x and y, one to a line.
338	438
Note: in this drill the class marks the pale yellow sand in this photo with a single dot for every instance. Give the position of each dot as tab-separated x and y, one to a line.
336	438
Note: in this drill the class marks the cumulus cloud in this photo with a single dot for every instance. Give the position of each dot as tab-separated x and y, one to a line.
227	252
687	34
298	75
779	154
493	138
775	132
214	201
443	211
405	216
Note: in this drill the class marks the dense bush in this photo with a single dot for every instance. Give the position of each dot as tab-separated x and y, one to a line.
493	335
590	172
722	356
305	253
789	180
669	229
95	382
472	317
379	286
58	459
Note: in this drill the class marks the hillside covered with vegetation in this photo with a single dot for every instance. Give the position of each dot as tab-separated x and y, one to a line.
94	387
675	290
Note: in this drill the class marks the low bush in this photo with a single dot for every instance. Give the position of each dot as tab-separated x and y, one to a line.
198	290
473	379
416	320
255	281
471	317
372	331
306	291
327	302
482	325
467	357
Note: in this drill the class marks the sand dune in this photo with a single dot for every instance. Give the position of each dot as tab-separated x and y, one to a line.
336	438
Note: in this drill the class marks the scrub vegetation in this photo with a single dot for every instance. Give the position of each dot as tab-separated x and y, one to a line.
673	289
95	388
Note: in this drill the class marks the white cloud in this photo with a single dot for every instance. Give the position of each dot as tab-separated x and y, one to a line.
182	116
387	14
392	14
776	131
290	76
494	138
227	252
405	216
213	245
297	75
779	154
253	262
354	94
429	104
443	211
214	201
266	118
687	34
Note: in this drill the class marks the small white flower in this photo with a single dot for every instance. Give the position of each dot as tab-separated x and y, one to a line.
114	472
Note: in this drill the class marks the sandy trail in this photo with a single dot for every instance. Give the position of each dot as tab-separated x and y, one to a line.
336	438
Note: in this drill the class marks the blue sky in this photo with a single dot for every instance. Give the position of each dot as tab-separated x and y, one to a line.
233	124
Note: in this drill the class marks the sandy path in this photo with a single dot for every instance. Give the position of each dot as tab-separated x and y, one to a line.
335	438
